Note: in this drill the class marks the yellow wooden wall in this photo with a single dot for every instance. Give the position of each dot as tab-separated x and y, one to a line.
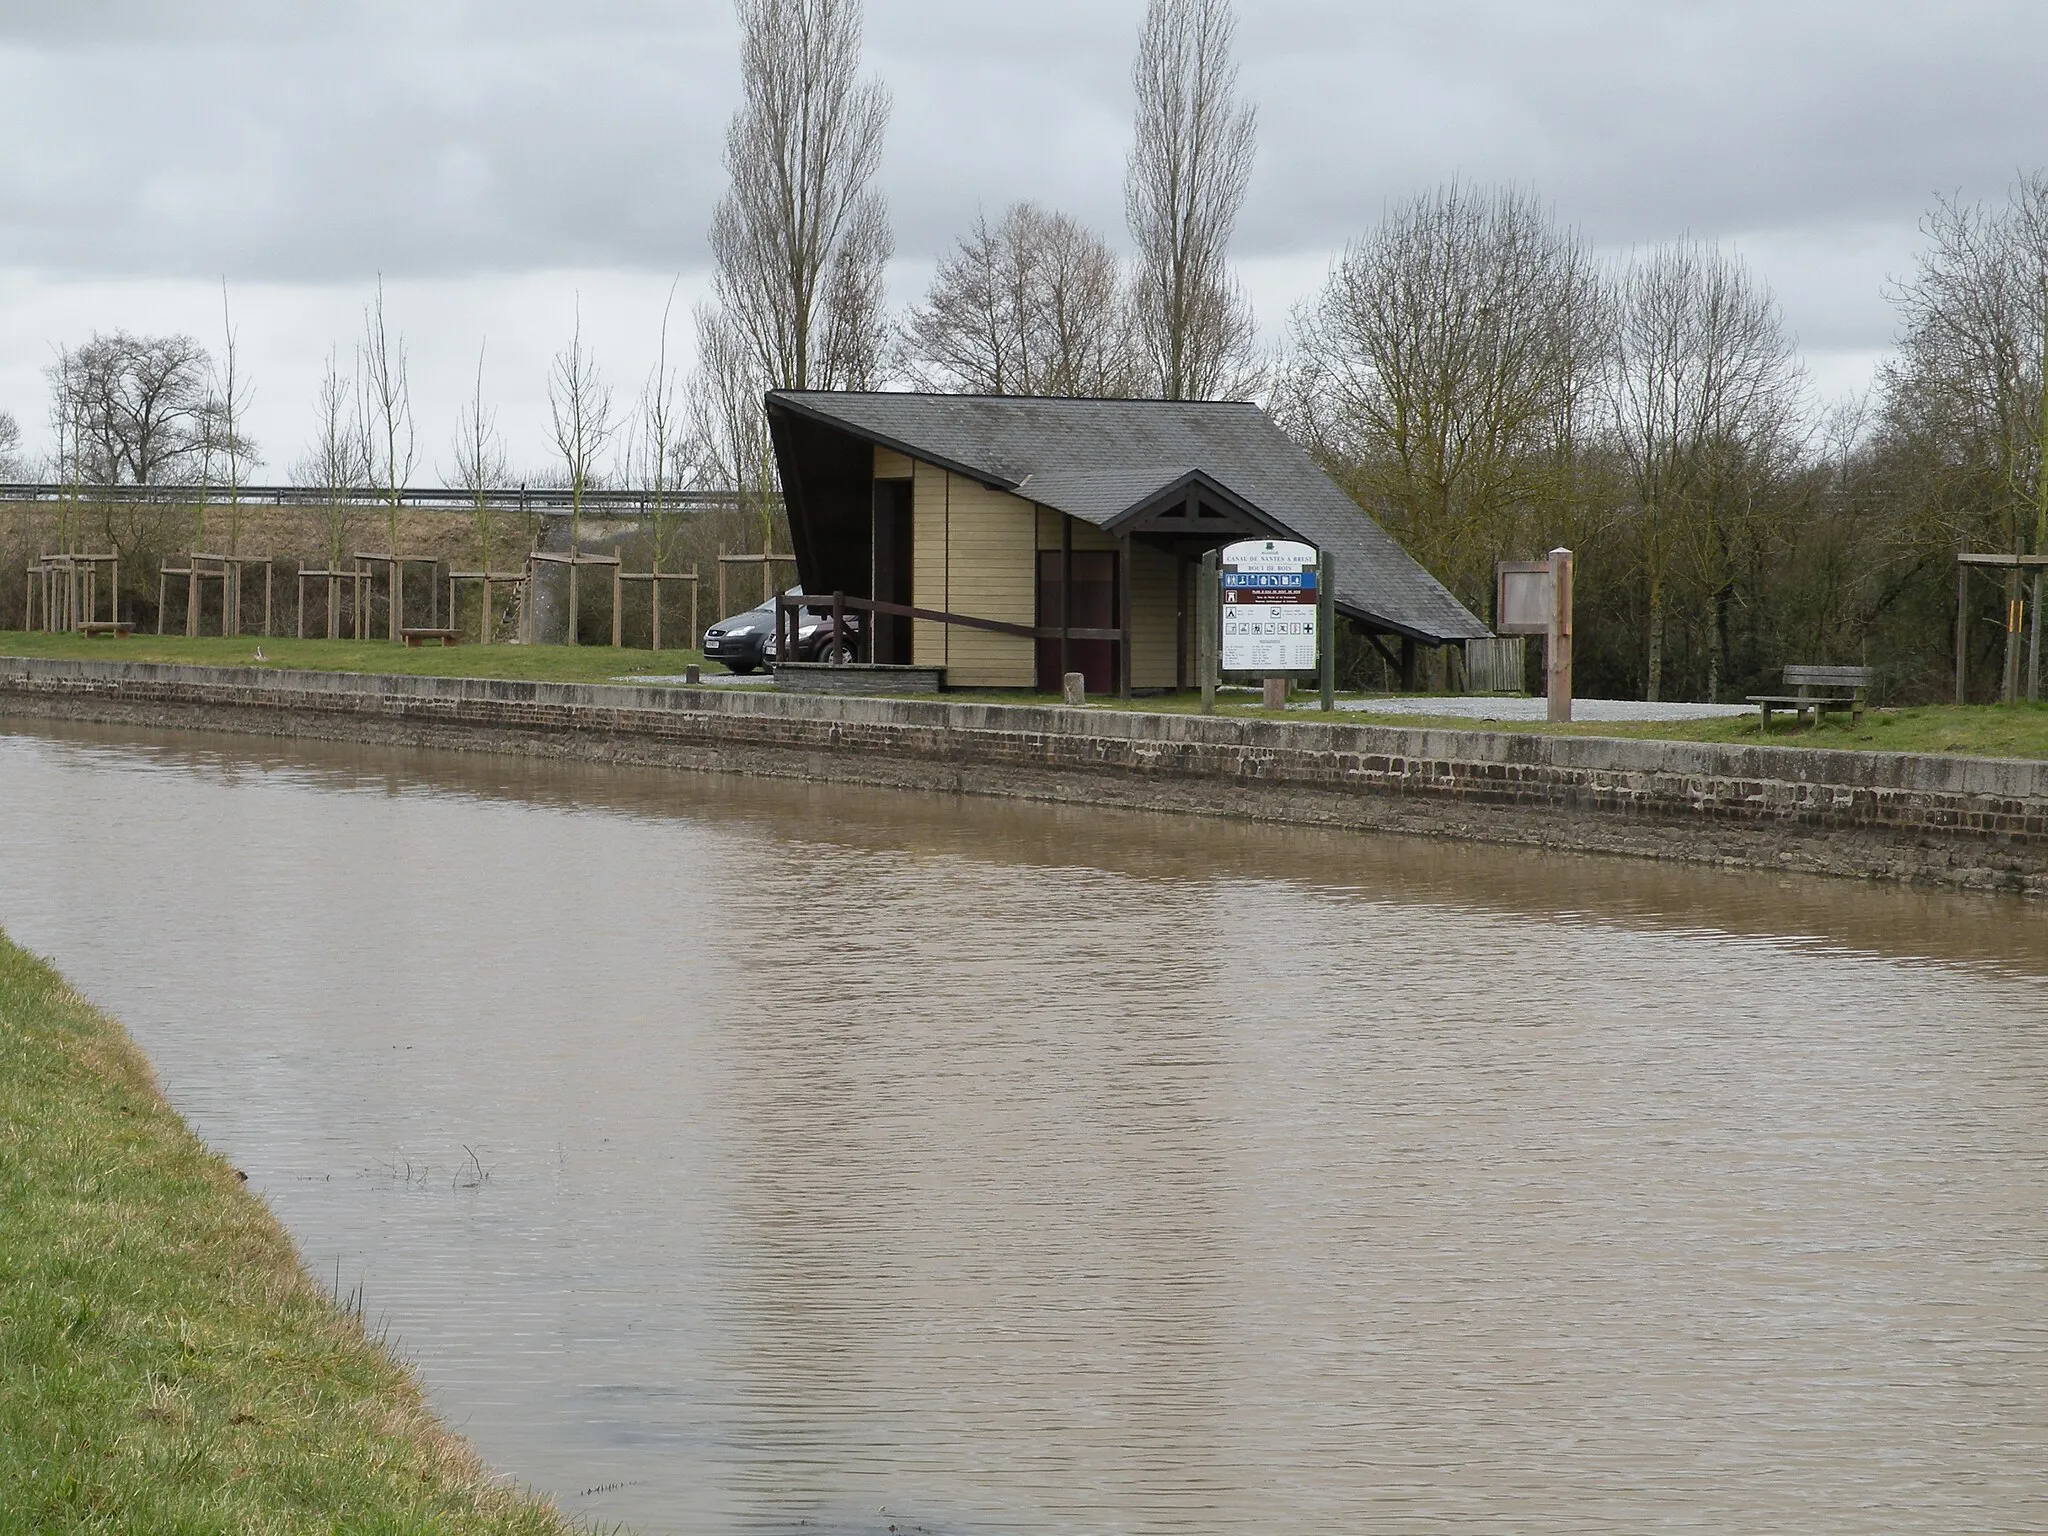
974	555
1155	613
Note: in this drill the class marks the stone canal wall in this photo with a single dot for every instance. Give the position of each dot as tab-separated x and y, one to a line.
1969	822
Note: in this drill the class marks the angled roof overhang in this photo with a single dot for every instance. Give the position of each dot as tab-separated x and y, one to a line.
1198	505
778	401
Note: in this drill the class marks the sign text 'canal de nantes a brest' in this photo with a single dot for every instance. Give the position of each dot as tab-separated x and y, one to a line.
1269	606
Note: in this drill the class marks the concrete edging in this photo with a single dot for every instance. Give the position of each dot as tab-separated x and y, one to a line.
1974	822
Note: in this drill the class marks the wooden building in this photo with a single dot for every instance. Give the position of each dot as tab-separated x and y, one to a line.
1036	536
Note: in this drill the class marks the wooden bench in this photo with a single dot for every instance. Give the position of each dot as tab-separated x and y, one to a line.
1845	687
120	629
417	637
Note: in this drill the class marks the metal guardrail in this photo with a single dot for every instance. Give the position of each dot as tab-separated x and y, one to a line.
548	500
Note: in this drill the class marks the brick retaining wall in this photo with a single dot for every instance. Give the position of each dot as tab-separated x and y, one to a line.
1971	822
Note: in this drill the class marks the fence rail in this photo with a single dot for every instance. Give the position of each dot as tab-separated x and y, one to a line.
547	500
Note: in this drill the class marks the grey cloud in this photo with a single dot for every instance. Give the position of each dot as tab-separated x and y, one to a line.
323	142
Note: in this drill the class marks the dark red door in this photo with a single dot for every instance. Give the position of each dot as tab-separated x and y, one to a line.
1093	606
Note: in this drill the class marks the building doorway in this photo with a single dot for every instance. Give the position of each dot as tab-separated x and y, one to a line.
894	545
1092	604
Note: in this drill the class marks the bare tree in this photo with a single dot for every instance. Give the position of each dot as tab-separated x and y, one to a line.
336	462
134	404
662	450
12	466
581	422
1971	374
1445	374
1185	182
384	401
1032	306
479	461
226	408
728	430
801	238
1706	397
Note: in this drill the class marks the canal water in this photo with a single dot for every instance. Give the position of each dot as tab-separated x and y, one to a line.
745	1156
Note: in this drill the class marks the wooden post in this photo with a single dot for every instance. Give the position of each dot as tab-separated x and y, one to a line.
1326	629
1066	591
2034	646
574	602
838	625
721	581
1125	614
695	633
654	599
1962	628
1207	604
192	599
2009	683
394	583
1558	655
1411	667
161	584
269	570
618	605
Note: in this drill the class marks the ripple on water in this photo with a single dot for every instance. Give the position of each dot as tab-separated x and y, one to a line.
737	1155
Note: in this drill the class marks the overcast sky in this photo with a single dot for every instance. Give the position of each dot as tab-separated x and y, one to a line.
502	161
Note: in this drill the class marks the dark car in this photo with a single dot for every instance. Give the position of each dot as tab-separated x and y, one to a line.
746	641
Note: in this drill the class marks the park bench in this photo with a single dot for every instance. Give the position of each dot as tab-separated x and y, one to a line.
120	629
1844	691
417	637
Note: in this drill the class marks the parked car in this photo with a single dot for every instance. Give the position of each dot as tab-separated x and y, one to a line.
746	641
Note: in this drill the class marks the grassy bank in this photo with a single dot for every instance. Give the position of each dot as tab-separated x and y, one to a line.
1973	730
533	663
1968	730
165	1363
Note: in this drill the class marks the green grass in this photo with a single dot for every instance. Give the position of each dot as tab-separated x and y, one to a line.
1976	730
533	663
166	1365
1967	730
1970	730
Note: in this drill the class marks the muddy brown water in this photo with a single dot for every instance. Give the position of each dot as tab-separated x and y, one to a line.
745	1156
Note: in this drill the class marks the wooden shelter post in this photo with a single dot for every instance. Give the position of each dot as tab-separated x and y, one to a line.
1066	594
618	607
1962	629
1207	620
2034	646
2009	683
1326	630
1125	621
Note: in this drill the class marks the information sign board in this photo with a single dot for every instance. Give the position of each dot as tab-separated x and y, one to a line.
1269	606
1525	597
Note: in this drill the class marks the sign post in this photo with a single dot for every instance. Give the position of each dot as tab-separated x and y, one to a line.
1205	630
1326	629
1273	598
1534	597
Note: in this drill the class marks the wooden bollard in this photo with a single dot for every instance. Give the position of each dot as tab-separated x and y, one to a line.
1276	693
693	673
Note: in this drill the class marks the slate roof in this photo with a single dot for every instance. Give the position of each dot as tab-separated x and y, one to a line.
1098	460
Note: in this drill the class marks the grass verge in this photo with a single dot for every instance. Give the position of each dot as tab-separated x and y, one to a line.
1970	730
1967	730
531	663
166	1365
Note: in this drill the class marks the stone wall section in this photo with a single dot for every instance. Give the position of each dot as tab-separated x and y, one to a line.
1971	822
